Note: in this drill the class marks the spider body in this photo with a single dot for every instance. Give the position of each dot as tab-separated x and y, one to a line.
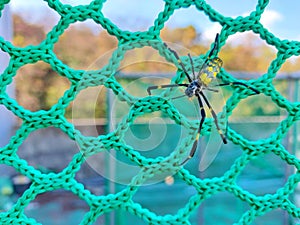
202	82
193	88
198	84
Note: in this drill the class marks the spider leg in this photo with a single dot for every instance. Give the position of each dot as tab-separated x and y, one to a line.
216	46
210	54
192	64
241	84
180	63
180	96
164	86
210	89
195	144
214	116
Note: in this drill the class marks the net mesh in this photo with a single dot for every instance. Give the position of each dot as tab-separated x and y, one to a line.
89	146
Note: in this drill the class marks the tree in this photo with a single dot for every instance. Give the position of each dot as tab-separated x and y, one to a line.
39	87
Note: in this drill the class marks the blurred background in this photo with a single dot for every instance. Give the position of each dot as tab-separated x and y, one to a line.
96	111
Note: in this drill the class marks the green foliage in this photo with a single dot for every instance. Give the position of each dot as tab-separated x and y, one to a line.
250	55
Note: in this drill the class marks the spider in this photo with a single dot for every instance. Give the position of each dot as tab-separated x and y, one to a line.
200	83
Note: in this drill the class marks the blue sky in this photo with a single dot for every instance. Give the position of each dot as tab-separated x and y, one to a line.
280	17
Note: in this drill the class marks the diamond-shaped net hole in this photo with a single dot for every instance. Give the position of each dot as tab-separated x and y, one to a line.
264	175
88	111
29	31
213	158
247	52
145	59
49	150
131	18
56	207
256	117
184	30
83	44
222	208
108	56
44	89
154	136
167	196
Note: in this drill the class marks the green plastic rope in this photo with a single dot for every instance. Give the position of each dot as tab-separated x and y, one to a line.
89	146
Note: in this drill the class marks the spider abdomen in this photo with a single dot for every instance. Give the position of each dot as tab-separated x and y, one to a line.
210	70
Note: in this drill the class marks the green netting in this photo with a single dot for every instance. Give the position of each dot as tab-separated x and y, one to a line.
89	146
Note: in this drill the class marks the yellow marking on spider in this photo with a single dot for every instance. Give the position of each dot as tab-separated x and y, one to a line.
203	76
197	136
205	79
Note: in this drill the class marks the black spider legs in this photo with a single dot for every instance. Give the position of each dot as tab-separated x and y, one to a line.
203	116
180	63
212	51
216	46
192	64
195	144
164	86
214	116
184	70
240	84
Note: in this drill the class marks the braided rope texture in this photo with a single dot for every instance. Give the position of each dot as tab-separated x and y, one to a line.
89	146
